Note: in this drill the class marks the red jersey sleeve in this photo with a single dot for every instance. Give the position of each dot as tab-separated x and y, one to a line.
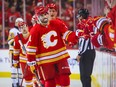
67	35
112	16
32	44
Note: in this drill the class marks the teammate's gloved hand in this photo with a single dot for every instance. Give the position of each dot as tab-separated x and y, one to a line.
32	66
70	44
15	64
79	32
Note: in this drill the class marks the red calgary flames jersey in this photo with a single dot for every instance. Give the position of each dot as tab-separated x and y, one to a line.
105	29
86	26
19	53
47	42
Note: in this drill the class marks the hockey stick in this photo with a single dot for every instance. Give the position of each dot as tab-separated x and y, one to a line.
16	73
23	76
38	79
24	50
22	45
18	77
35	72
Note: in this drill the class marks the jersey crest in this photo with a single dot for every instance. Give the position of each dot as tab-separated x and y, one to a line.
46	39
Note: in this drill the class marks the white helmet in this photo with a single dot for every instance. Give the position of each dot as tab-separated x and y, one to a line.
19	20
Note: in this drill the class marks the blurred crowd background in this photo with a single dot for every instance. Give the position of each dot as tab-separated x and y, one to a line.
67	10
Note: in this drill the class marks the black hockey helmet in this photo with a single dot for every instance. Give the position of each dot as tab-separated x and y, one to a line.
83	12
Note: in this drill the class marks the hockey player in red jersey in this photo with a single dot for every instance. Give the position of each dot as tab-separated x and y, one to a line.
85	27
100	31
105	33
106	27
53	12
46	50
102	36
20	58
53	15
97	29
112	16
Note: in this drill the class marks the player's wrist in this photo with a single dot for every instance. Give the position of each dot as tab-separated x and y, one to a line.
32	63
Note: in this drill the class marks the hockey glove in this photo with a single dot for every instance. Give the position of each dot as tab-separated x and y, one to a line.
79	32
32	66
16	64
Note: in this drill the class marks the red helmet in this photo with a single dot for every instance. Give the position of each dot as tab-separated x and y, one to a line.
52	6
40	10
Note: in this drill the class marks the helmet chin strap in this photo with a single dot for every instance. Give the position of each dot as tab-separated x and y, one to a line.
39	21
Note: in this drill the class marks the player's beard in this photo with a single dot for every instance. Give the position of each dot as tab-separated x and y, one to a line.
45	20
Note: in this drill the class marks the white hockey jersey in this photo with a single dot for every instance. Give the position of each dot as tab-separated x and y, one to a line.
12	33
